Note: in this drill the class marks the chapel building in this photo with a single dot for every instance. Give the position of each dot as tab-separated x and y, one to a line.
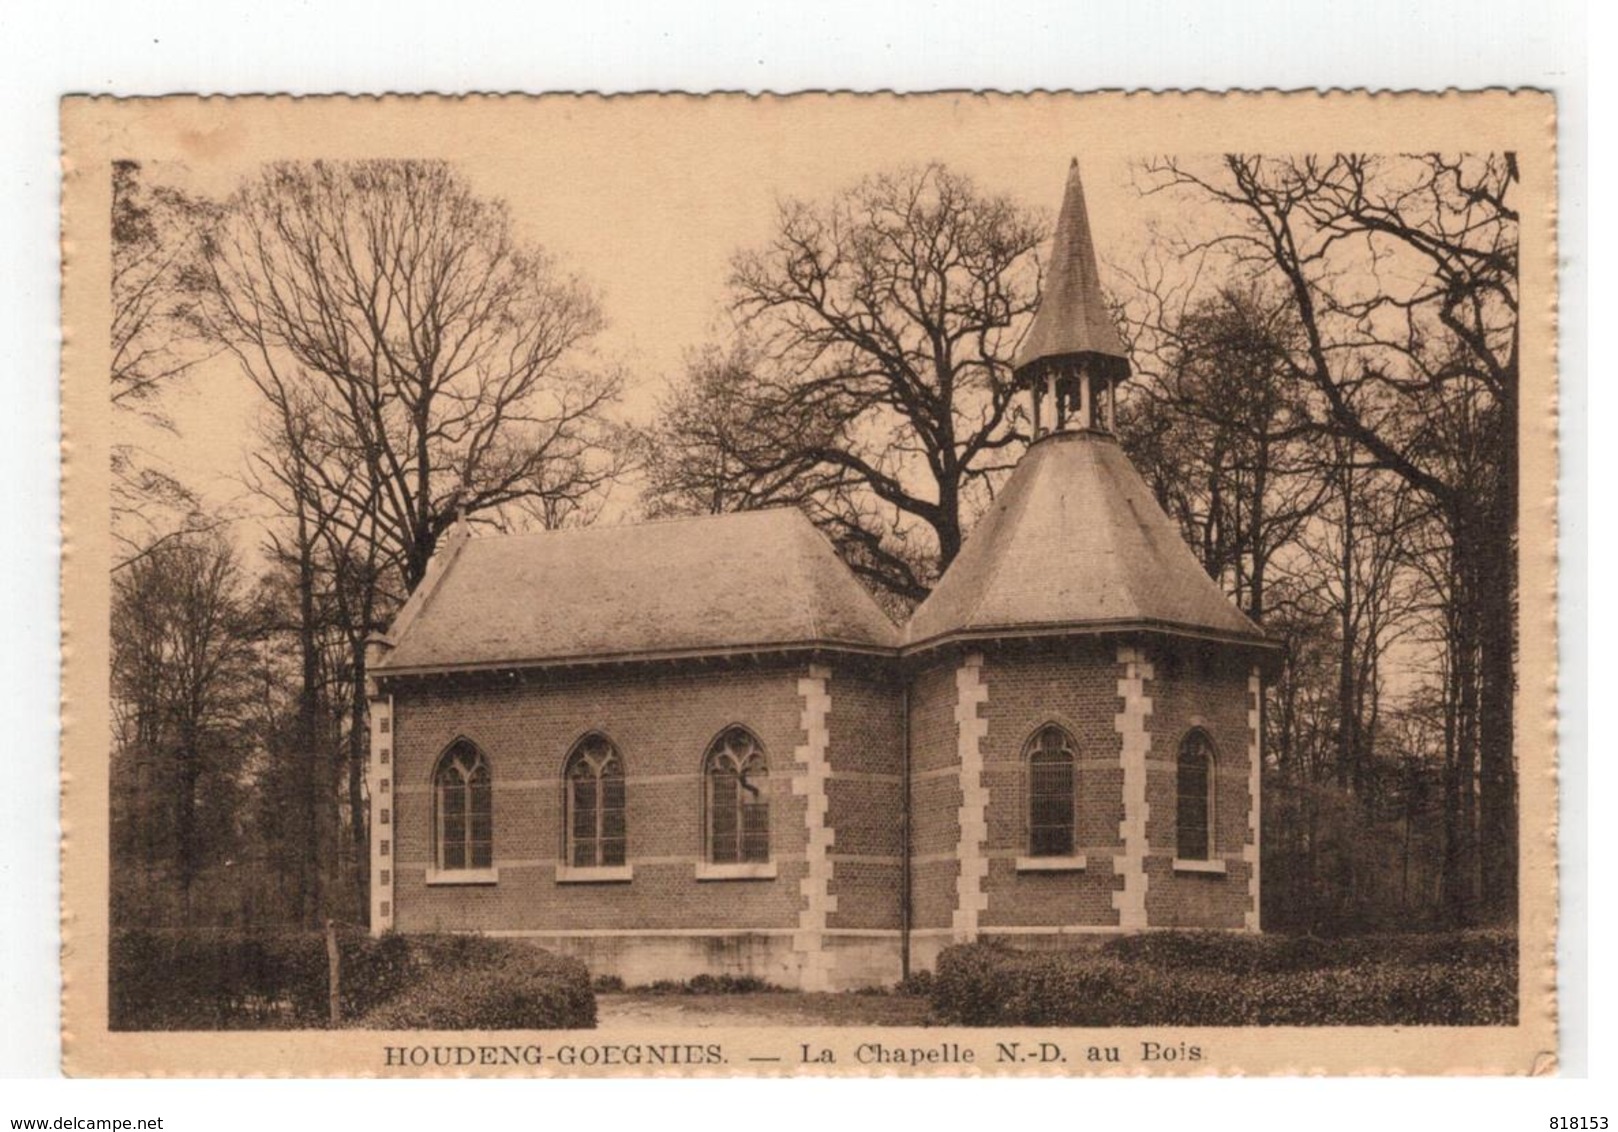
698	745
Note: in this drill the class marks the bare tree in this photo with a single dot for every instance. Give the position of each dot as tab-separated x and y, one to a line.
325	589
1222	432
182	633
1357	559
875	386
155	239
705	455
437	353
1402	276
416	363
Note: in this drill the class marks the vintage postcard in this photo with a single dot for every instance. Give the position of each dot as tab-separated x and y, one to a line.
913	585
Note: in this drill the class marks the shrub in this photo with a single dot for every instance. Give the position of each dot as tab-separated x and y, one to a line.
1254	954
711	984
974	984
214	980
174	981
1207	979
374	969
489	985
728	984
452	951
607	984
220	979
918	984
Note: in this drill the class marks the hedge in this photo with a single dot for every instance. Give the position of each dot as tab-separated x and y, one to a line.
711	984
471	983
1213	979
1270	953
210	980
213	980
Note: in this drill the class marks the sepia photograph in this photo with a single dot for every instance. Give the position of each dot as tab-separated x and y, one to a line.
942	584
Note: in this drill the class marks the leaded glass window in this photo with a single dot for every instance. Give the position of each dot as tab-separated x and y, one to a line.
1194	812
463	805
597	831
736	778
1052	784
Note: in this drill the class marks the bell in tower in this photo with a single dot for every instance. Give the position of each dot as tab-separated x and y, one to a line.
1071	361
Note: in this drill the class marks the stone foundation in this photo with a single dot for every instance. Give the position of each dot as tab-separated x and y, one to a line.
847	961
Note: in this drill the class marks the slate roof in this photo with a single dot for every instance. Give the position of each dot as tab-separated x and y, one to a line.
1075	542
758	580
1072	319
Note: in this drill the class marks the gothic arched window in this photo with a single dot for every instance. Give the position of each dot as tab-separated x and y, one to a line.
1052	783
736	784
597	833
1194	784
463	809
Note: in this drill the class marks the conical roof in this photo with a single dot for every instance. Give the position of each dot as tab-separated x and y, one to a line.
1076	542
1072	319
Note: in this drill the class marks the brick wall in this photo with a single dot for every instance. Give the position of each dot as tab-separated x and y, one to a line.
1074	686
866	794
662	724
1206	687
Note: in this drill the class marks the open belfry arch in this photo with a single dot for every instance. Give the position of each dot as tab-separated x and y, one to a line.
1073	710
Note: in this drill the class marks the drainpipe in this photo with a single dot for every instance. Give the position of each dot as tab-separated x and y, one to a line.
904	829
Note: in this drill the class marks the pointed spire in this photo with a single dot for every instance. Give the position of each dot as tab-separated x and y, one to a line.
1072	321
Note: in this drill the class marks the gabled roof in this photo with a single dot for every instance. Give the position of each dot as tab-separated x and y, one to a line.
1072	320
1075	542
753	581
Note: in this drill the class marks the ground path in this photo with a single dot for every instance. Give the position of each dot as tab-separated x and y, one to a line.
638	1010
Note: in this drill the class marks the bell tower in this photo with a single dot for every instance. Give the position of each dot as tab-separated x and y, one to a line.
1075	627
1071	361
